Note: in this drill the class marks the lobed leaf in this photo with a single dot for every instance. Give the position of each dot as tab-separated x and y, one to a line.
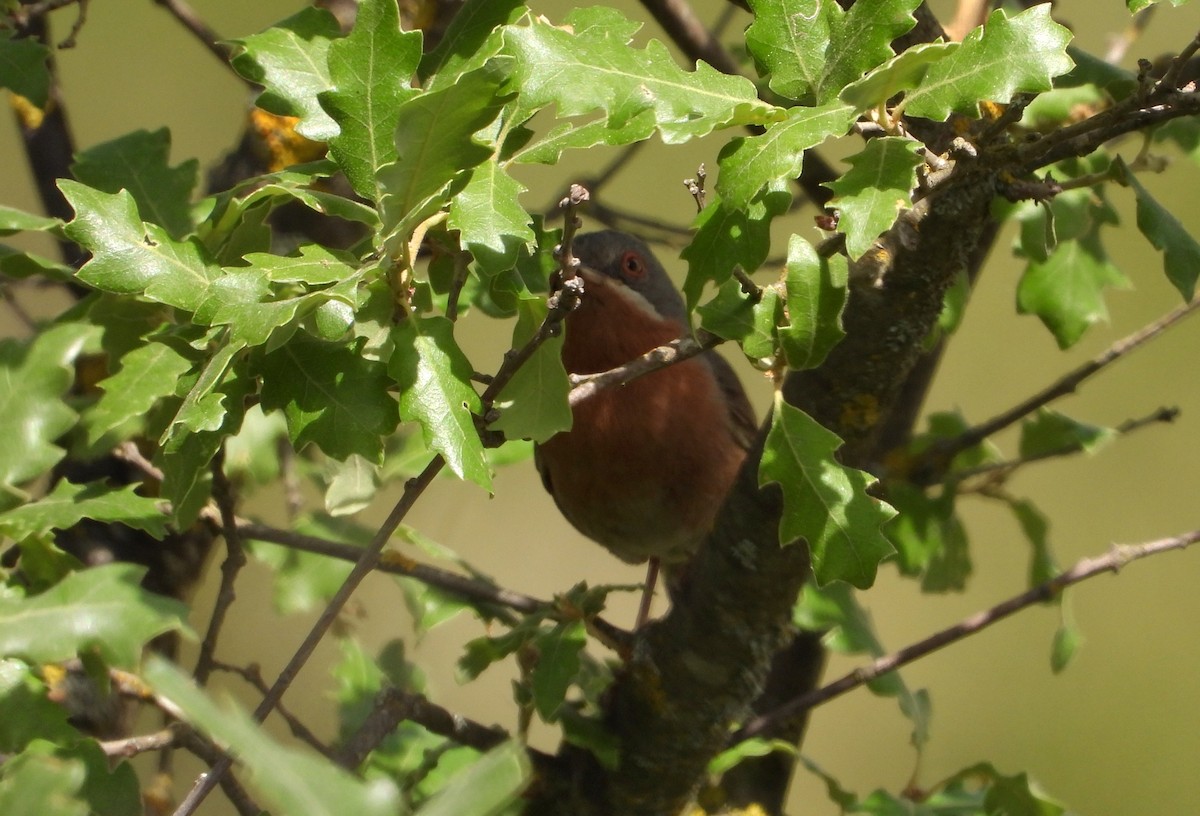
434	377
534	403
104	609
24	68
727	236
1007	56
750	163
1181	252
371	70
68	503
1066	290
492	224
290	61
589	66
34	378
816	295
870	195
824	502
147	374
811	49
137	162
331	397
435	147
132	257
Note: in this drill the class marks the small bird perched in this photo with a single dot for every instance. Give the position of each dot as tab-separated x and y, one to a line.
647	465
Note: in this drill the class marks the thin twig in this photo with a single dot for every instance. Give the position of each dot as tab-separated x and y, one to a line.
680	22
252	674
235	559
213	756
1008	466
141	743
471	589
189	19
1170	79
586	386
561	303
393	707
1120	44
367	561
128	452
943	452
1113	561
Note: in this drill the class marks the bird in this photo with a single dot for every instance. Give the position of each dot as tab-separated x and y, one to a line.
646	466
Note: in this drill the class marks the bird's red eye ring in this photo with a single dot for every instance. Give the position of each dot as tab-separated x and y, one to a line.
632	265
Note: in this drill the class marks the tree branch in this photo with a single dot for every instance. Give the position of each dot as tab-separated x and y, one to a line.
932	464
1113	561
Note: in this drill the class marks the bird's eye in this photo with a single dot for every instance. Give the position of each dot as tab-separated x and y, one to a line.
632	265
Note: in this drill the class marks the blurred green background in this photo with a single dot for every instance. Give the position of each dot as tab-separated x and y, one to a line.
1118	733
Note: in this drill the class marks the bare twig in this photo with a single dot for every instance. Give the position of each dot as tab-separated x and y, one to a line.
1120	44
941	453
235	559
1170	79
367	561
680	22
128	452
1113	561
190	20
1007	467
471	589
140	744
585	386
213	756
393	707
253	675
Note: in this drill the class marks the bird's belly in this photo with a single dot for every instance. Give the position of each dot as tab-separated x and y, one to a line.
646	466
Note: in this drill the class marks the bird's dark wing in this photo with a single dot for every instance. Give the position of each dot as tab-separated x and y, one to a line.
743	424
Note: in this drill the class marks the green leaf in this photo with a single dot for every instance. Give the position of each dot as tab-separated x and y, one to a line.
13	220
331	397
314	266
811	49
1050	432
305	580
834	609
34	379
750	163
24	69
148	373
1181	252
901	73
930	538
1135	6
823	502
68	503
870	195
105	791
816	296
1067	640
1042	564
290	61
130	257
137	162
488	787
570	136
434	377
492	223
1066	290
26	713
534	403
289	780
1007	56
752	323
730	758
436	146
370	70
352	487
557	666
472	38
727	236
590	66
103	608
38	782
